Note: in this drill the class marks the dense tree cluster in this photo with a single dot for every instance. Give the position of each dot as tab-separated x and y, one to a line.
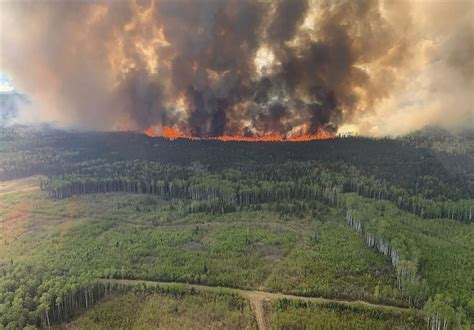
429	258
409	283
246	185
440	314
419	171
43	299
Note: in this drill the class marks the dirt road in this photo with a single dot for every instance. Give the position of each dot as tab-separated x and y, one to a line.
257	298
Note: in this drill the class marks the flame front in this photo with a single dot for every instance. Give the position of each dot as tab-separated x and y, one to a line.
172	133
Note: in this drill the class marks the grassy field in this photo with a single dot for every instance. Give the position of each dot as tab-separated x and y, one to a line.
159	311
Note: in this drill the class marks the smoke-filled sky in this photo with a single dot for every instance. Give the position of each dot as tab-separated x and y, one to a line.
238	67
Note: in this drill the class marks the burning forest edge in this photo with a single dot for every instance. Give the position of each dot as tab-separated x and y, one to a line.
174	133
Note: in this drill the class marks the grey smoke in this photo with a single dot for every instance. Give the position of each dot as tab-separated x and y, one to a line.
10	103
104	64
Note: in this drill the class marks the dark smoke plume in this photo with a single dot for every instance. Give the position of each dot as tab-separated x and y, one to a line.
212	67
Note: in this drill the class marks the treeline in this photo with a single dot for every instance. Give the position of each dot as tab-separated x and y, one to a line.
248	185
417	170
414	203
410	286
28	163
169	181
439	310
431	260
41	300
440	314
39	297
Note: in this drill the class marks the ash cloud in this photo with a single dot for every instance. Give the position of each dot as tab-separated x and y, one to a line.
239	67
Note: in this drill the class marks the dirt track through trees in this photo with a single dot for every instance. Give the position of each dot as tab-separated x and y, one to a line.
257	298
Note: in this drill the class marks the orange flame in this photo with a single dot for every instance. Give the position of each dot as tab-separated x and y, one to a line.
265	138
149	131
320	135
173	133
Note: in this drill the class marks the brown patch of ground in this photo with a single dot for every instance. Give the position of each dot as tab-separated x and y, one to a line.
13	219
258	309
19	185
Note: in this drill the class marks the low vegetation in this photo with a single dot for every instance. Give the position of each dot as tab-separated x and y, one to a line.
285	314
170	310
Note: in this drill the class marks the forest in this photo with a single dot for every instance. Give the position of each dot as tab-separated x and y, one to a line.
89	221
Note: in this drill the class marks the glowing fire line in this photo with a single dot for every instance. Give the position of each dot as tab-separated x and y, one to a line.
172	133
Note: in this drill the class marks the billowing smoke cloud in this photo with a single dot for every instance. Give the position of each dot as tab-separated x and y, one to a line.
239	67
10	102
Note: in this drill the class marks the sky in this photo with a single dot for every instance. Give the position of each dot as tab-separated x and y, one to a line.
236	67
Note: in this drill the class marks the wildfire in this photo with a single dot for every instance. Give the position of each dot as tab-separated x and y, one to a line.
173	133
265	138
320	135
150	132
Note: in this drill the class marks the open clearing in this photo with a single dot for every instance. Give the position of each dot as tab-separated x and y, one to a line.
19	185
